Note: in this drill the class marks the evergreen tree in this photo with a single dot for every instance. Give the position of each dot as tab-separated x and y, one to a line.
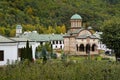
44	54
30	54
22	54
26	53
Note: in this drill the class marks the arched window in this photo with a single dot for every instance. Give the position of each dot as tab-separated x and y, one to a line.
81	48
87	48
93	47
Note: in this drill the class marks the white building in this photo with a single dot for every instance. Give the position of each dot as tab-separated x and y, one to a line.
8	50
20	40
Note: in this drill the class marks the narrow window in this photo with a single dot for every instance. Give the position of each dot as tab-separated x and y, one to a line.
60	42
56	42
53	42
1	55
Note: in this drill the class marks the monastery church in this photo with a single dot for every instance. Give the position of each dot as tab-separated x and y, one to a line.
78	40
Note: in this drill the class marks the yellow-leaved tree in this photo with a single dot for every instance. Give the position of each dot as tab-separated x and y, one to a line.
50	30
63	29
12	32
2	31
58	29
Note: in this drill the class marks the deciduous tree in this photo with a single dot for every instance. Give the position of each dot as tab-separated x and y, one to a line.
111	35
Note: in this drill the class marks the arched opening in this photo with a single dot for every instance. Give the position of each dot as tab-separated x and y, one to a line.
81	48
88	48
93	47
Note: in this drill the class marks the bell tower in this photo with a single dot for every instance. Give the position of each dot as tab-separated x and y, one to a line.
18	30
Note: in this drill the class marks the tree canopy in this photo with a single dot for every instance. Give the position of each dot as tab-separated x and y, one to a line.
111	34
56	12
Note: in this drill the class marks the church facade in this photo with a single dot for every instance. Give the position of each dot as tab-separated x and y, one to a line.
79	40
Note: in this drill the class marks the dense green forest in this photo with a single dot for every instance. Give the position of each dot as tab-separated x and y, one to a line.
54	13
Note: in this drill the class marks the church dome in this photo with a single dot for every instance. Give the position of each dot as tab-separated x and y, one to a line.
76	16
18	27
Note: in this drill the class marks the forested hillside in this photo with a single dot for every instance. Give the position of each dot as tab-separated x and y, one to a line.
45	13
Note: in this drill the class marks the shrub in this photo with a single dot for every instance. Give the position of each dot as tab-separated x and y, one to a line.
105	58
57	70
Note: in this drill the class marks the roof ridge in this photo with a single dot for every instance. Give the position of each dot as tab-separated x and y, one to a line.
6	39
